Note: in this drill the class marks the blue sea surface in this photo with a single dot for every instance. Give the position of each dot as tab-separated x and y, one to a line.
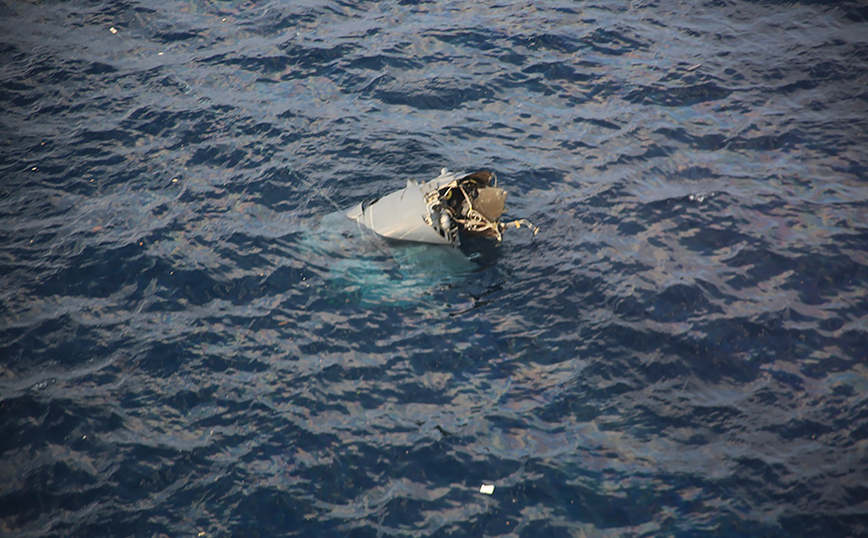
194	340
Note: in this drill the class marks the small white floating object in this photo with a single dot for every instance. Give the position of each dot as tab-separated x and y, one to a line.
486	489
113	30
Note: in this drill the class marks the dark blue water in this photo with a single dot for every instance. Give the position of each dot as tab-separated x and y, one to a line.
193	343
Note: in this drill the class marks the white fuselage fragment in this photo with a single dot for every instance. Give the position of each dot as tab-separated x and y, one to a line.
435	211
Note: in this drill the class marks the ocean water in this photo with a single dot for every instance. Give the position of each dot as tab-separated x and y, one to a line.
194	342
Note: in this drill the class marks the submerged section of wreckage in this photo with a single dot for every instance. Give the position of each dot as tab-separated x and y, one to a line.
440	211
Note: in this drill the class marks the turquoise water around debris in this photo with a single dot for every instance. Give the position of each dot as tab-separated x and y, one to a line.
194	342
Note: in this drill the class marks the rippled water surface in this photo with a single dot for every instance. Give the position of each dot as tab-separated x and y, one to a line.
195	342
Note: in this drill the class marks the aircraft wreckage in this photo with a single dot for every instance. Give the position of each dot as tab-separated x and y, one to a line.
440	211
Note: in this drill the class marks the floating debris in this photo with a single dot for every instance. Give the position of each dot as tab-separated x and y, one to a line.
440	211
